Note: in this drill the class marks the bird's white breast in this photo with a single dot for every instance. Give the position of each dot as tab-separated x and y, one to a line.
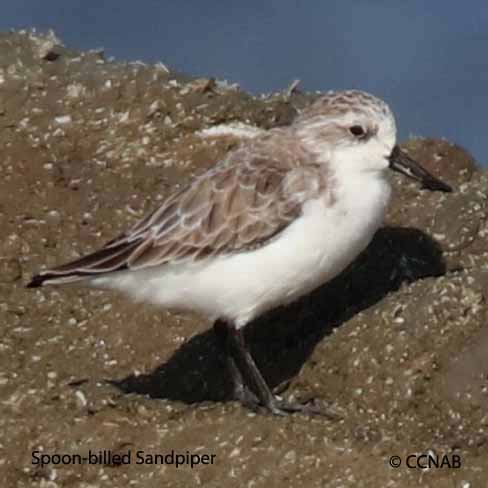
310	251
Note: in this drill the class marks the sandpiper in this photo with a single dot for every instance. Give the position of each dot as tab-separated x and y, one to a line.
283	213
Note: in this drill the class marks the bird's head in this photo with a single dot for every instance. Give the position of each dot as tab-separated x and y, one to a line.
357	131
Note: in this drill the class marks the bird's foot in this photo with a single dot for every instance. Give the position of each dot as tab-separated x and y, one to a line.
246	397
310	407
282	407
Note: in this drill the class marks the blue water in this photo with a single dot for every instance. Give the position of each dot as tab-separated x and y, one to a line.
427	59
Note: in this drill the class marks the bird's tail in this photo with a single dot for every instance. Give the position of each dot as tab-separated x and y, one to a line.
106	260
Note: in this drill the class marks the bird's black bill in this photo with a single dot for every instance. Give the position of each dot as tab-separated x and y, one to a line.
403	163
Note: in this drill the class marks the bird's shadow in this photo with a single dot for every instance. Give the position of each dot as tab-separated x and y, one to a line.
282	340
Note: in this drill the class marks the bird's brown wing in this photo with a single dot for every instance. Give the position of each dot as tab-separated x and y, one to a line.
233	207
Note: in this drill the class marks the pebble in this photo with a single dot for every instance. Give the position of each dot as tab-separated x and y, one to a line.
10	270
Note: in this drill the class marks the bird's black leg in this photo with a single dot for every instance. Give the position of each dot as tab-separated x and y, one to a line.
240	391
244	369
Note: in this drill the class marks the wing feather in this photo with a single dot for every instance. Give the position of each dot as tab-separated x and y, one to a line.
239	205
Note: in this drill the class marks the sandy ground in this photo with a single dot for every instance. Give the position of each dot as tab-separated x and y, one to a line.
398	344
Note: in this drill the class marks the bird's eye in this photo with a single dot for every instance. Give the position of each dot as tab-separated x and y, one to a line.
357	131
